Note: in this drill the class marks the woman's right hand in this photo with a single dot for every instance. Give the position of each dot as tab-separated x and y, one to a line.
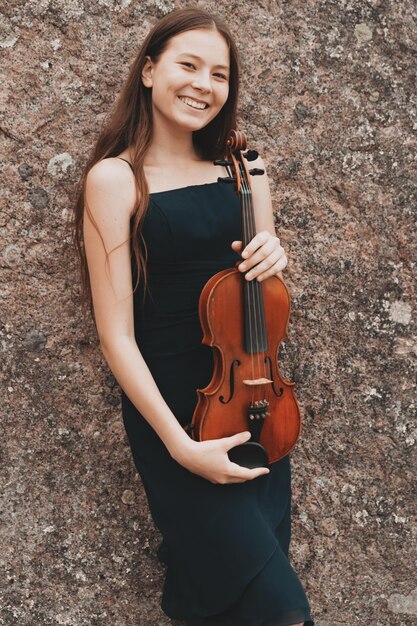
210	460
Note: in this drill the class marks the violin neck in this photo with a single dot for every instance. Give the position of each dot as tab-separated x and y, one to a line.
256	340
248	217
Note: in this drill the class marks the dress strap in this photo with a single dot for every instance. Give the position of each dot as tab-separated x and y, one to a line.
128	162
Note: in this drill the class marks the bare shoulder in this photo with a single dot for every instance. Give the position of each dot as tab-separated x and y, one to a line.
110	187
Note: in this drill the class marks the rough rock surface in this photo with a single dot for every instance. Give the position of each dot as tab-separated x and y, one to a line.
328	98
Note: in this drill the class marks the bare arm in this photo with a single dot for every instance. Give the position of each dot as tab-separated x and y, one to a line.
110	195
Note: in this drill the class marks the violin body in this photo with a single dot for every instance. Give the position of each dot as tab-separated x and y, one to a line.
224	406
244	322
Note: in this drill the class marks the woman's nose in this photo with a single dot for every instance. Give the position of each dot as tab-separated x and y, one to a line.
203	83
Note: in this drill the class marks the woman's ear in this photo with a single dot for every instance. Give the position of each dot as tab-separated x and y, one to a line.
147	72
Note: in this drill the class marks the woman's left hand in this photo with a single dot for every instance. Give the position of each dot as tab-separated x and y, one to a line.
263	256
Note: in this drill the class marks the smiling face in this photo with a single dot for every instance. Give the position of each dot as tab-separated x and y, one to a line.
190	80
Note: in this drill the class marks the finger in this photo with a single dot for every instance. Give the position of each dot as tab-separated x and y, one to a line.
237	245
273	271
237	439
262	253
260	471
266	264
243	473
262	260
259	240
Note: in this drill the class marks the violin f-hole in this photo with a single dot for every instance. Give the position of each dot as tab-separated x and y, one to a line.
231	382
281	390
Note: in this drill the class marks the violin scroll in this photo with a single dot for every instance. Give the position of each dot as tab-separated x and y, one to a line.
234	163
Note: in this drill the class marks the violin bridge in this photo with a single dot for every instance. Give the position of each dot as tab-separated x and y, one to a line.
257	381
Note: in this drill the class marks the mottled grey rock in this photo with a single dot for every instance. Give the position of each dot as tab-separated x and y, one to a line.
301	111
34	341
112	400
363	33
404	604
110	381
38	198
400	312
25	171
12	255
128	497
59	164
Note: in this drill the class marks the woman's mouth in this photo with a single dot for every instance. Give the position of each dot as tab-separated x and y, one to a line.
194	104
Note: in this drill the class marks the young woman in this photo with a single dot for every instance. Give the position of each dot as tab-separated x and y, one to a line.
152	225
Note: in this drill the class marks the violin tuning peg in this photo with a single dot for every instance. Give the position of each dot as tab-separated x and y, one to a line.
256	172
251	155
222	162
227	179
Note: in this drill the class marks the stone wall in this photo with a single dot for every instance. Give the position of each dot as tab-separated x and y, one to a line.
328	97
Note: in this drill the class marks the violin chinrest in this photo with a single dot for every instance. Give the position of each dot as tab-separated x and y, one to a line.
250	454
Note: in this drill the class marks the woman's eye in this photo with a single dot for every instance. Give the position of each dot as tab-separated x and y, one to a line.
191	65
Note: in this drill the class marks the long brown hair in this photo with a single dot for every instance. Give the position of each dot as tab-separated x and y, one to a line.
130	125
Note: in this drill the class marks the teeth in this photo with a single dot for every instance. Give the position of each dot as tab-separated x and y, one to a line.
193	103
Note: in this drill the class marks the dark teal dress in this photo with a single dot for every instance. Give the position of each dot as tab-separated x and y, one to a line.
225	547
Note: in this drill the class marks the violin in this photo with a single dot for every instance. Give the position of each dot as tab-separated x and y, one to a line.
244	322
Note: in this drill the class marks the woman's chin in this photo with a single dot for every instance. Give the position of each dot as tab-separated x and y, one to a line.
192	125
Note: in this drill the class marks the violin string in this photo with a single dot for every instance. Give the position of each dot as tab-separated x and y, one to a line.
251	285
257	287
259	308
246	285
